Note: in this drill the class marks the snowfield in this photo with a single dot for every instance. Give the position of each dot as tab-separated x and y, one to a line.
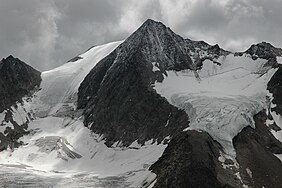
45	154
60	151
60	85
224	99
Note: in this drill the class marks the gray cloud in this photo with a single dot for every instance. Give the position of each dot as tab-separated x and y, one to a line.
46	34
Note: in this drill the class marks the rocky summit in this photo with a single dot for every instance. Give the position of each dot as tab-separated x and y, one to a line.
155	110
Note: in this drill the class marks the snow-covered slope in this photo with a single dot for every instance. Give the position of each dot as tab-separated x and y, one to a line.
59	86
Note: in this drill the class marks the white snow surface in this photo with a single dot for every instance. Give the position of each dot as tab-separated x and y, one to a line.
279	60
225	98
59	144
60	85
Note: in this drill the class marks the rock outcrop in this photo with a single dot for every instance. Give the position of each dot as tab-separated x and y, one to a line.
191	160
254	153
17	80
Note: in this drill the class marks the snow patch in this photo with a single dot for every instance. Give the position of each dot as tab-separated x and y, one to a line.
279	60
155	67
249	172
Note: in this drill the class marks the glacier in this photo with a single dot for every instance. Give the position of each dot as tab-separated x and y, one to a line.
223	99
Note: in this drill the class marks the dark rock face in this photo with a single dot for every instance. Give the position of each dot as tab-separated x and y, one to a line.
191	160
117	94
17	80
266	51
263	135
254	149
275	87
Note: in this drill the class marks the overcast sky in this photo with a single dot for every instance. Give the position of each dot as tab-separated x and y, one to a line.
47	33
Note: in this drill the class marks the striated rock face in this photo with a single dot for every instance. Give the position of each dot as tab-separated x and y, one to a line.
17	80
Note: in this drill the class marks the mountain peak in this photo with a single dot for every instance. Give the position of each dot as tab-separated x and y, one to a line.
264	45
17	80
152	23
10	57
154	29
264	50
11	60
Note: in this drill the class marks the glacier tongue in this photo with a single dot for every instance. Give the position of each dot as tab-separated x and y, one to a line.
225	98
222	118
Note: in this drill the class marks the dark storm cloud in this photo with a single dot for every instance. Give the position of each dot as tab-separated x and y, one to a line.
48	33
86	23
234	24
28	30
